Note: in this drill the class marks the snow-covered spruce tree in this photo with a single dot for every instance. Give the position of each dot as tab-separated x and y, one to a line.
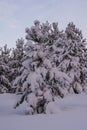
15	62
5	85
52	66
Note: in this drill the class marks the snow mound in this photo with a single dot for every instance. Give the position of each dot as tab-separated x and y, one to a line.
52	108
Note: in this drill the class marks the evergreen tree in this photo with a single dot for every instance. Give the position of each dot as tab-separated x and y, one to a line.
53	65
76	51
5	85
15	62
44	33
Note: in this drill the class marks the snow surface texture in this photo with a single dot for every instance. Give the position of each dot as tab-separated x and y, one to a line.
73	115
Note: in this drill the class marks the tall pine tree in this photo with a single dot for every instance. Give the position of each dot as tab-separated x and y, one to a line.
53	65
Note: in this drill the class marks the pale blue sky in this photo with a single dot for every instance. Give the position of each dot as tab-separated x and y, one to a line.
16	15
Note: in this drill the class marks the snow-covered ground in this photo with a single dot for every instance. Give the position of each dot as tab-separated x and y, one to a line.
73	115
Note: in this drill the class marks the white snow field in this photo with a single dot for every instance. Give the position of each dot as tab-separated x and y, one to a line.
73	115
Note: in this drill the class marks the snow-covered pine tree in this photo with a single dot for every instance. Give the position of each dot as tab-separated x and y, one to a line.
52	66
5	85
75	57
16	58
44	33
